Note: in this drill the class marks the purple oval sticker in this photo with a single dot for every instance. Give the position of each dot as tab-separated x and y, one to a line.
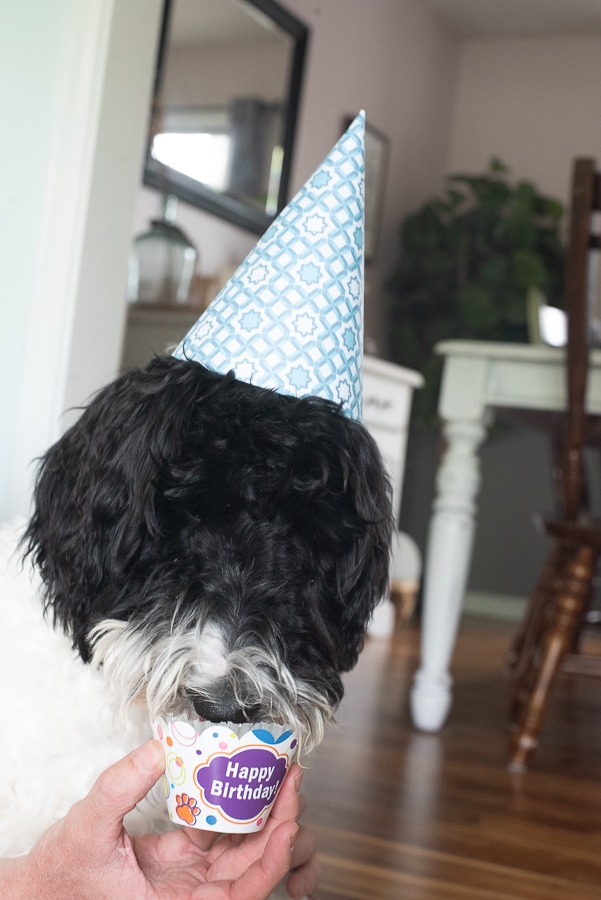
244	784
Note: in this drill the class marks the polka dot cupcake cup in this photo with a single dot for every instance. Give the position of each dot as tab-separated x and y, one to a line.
223	777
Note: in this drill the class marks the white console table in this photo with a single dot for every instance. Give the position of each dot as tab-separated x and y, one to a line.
477	376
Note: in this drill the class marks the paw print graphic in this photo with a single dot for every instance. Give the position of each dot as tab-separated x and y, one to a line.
186	808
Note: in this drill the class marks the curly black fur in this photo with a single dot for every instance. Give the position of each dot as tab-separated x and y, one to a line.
184	493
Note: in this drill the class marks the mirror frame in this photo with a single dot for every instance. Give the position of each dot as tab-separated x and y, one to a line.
169	181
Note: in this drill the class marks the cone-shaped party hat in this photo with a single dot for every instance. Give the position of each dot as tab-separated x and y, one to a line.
291	316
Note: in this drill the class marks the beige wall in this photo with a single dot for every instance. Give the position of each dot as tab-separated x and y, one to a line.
394	59
534	102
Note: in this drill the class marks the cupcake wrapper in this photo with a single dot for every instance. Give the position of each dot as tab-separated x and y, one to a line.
223	777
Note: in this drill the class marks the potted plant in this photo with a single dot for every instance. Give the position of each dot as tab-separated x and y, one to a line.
468	262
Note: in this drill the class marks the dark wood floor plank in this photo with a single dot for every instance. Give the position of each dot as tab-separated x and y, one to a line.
445	872
402	814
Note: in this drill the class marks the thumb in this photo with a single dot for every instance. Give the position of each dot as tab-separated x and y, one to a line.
117	791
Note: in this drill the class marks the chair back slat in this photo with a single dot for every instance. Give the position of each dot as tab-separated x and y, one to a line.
586	194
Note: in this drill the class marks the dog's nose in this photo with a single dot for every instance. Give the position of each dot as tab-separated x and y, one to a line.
224	710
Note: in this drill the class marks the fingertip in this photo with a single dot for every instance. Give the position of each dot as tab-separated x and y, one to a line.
265	873
297	774
304	881
296	771
149	758
281	843
115	793
295	887
293	838
120	787
294	780
287	804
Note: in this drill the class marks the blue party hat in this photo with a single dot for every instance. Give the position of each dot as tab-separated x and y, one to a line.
291	316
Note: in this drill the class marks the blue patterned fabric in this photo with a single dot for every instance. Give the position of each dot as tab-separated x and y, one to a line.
291	316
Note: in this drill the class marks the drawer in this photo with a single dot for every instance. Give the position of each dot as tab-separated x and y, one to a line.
387	393
386	403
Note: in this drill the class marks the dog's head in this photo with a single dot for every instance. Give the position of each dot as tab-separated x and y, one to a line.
215	546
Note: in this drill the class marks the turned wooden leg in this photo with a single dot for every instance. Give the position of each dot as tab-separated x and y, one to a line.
524	657
569	603
448	555
529	631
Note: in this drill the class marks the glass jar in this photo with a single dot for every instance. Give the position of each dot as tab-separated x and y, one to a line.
162	263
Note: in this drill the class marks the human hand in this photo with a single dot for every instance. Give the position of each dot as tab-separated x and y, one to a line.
305	869
228	854
88	854
304	874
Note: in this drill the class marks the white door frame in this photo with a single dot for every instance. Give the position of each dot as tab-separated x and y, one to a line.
77	312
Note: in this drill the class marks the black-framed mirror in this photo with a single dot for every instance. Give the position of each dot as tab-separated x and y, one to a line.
225	107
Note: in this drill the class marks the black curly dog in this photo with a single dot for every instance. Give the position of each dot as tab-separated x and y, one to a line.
215	546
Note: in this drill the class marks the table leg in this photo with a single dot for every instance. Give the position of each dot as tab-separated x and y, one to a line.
448	556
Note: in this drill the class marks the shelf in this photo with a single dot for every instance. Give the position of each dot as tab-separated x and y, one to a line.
163	314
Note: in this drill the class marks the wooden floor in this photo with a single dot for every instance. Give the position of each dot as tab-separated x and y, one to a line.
406	815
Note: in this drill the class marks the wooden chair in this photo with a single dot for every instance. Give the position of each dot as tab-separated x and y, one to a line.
561	598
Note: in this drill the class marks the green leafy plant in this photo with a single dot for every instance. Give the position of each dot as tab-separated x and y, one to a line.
468	261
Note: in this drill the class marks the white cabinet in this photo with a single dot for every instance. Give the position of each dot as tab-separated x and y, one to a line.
387	394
